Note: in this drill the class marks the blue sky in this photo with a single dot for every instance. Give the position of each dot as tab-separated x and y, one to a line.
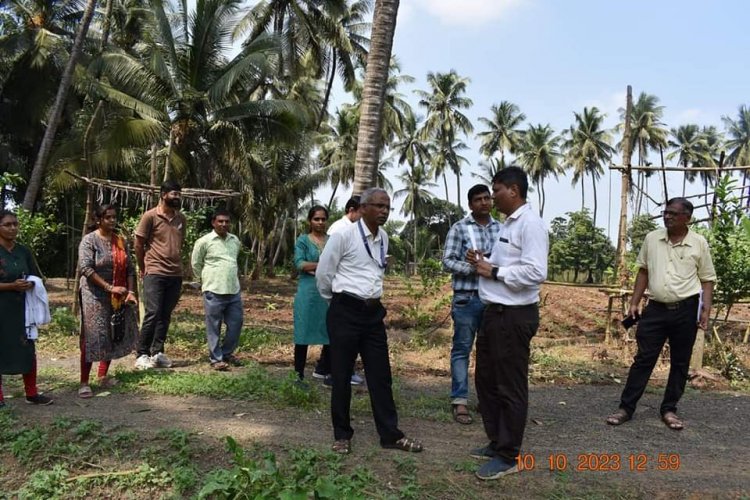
553	57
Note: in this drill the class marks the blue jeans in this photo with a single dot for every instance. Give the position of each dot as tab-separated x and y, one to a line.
226	308
466	312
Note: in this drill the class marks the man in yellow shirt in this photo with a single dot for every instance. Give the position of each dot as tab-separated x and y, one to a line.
675	264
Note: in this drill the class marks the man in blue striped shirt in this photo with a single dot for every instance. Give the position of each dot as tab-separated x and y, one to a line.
476	232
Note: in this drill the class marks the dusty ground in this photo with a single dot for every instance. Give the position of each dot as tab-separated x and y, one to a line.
566	419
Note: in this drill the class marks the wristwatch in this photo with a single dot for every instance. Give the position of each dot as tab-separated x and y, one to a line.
495	270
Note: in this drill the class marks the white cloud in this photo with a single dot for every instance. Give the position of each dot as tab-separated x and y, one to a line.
464	12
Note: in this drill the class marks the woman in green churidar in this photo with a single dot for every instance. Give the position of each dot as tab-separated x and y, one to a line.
309	307
17	352
107	285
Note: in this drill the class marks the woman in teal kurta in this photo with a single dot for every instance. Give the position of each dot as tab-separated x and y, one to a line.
309	307
17	352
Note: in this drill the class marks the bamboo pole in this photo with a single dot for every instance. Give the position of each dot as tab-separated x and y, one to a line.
624	190
677	169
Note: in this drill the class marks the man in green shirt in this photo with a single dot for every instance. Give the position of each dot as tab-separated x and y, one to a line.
214	262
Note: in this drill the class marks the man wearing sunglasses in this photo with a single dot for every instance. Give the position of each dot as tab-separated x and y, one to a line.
675	265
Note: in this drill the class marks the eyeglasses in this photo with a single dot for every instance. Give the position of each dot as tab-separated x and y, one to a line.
672	213
380	206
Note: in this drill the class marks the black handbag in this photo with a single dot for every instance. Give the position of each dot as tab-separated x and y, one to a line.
117	325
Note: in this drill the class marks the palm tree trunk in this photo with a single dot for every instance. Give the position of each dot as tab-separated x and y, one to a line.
106	25
622	230
593	184
329	86
684	179
169	155
544	199
55	117
445	183
458	188
373	94
414	223
333	195
583	193
663	174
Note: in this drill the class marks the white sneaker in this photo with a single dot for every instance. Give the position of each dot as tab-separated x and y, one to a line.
357	380
160	360
144	362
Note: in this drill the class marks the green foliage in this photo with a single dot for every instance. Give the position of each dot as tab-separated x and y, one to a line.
38	232
63	322
577	246
309	475
425	299
729	240
640	226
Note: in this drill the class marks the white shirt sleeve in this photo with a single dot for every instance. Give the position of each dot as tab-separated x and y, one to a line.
328	265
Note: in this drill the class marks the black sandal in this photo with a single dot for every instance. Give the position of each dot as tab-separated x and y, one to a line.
619	417
405	444
462	417
342	446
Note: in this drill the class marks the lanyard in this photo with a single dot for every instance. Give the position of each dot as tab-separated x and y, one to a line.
367	246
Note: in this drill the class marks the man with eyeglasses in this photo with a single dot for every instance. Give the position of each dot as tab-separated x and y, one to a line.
675	265
350	276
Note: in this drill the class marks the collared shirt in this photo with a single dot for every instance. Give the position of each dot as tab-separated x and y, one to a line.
346	266
340	225
164	238
214	262
675	272
520	253
458	242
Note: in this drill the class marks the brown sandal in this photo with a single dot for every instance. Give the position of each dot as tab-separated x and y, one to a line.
405	444
462	417
342	446
672	421
619	417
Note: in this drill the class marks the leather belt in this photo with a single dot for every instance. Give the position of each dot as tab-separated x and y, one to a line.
673	306
500	307
354	301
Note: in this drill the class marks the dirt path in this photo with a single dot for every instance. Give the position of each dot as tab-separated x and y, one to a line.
564	421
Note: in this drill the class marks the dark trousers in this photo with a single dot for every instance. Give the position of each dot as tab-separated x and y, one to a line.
323	366
161	294
659	324
502	374
356	327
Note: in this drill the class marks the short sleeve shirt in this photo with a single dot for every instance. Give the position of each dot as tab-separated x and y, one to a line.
164	238
675	271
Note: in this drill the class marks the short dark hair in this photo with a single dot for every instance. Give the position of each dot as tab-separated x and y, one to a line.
513	176
352	204
220	211
686	205
316	208
476	190
168	186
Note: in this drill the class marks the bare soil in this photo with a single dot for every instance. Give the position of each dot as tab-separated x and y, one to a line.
566	411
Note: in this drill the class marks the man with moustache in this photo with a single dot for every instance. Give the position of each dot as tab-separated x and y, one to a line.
476	231
509	287
675	265
158	242
350	275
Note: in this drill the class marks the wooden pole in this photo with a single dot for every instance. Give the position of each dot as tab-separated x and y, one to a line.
624	190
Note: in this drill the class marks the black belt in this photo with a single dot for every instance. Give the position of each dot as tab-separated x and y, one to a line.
354	301
472	292
500	307
673	306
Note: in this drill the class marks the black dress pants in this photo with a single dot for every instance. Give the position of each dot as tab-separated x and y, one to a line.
161	296
356	327
502	374
657	325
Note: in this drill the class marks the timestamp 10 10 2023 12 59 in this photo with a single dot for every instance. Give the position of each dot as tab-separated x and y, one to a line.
600	462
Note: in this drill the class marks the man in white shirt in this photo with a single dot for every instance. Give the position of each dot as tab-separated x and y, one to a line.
351	215
350	276
509	286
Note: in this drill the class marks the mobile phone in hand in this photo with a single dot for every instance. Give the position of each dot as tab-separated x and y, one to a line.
629	321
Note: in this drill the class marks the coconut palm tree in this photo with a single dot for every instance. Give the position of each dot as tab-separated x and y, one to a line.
488	169
373	94
339	148
687	143
539	154
445	122
711	145
647	132
587	149
55	116
739	141
417	198
503	133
